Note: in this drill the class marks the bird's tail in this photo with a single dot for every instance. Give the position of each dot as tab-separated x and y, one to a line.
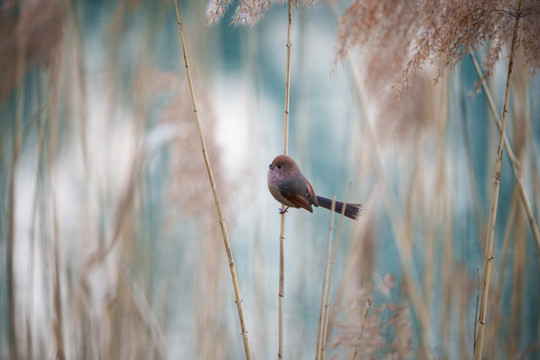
351	210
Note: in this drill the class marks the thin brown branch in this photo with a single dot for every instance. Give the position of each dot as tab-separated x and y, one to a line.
224	233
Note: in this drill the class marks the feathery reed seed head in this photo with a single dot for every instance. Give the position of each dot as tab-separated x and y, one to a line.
440	29
248	12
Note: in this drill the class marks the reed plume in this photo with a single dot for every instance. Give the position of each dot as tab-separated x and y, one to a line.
440	32
247	12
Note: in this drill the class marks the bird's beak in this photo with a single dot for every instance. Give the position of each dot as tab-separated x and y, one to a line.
271	166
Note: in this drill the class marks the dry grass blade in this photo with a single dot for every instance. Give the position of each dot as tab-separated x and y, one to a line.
57	326
331	273
146	314
224	233
488	257
476	308
121	213
357	347
513	160
324	308
281	290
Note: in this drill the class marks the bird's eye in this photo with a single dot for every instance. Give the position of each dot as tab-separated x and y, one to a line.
279	166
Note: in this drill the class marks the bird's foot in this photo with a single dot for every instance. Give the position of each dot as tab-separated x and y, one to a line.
281	211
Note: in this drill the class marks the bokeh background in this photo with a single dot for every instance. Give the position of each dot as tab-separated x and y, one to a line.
110	243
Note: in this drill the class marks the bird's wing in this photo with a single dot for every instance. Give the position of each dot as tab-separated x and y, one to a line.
295	191
311	194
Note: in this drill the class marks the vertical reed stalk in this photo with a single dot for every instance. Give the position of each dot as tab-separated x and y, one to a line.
513	160
330	275
32	231
58	325
287	82
281	293
476	308
357	347
488	257
322	310
224	233
16	149
402	237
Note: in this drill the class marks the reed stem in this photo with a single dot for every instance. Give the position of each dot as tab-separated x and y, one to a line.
323	309
402	237
513	159
330	275
224	233
357	347
281	293
10	243
488	258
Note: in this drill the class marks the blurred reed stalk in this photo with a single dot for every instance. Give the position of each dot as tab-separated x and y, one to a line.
323	309
399	227
281	290
401	236
357	347
488	257
224	233
513	160
15	152
324	335
35	204
57	324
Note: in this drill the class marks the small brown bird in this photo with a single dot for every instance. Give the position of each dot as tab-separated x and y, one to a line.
288	186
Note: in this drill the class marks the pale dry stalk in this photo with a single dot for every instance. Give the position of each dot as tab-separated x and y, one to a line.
513	160
33	226
281	290
476	308
488	257
323	309
10	243
224	233
402	238
361	234
440	179
146	315
357	347
498	318
330	275
57	325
